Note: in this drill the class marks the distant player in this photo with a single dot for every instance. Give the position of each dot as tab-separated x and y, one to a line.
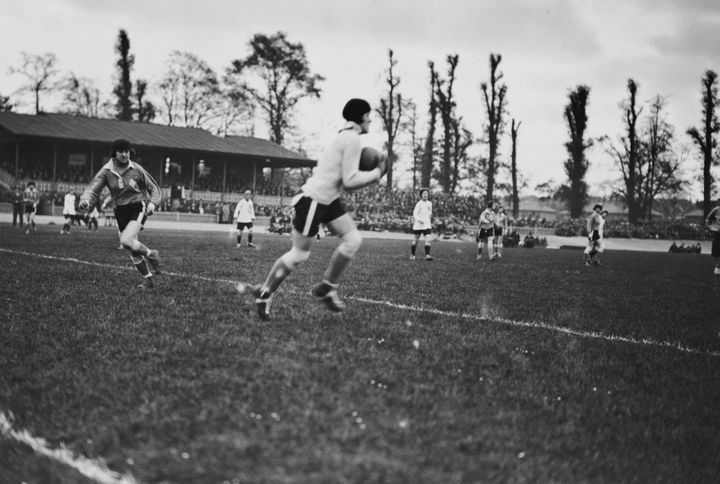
485	230
135	195
422	223
319	202
31	198
68	212
244	216
594	229
499	228
713	222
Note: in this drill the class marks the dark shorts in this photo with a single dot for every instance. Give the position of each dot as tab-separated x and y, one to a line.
497	231
29	208
424	232
309	214
124	214
484	234
244	225
716	244
595	236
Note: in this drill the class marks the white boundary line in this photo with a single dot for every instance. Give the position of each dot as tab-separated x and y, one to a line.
509	322
90	468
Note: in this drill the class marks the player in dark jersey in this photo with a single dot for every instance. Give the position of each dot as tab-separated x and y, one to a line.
135	194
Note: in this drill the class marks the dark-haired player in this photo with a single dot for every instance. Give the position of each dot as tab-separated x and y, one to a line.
499	228
320	202
422	224
31	198
135	195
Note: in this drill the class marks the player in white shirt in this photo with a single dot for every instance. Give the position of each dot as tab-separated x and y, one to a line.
422	223
486	226
320	202
499	228
68	212
594	229
244	217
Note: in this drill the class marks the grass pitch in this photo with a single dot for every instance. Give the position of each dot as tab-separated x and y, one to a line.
530	369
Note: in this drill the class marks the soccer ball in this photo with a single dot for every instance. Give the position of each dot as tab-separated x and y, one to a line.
369	159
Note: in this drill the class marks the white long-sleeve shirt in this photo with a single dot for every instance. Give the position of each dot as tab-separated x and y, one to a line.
338	168
244	211
422	215
69	204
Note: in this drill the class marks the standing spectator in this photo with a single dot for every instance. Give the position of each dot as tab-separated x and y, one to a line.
594	226
68	212
31	198
320	202
135	194
17	202
422	223
244	216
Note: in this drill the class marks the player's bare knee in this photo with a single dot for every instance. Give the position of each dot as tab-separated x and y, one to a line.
351	243
294	257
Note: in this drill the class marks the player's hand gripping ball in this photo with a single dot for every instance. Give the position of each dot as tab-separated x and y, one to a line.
369	159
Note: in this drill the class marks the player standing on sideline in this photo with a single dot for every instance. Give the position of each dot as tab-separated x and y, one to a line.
485	230
244	216
18	206
135	195
713	221
601	241
499	228
320	202
422	223
31	198
68	212
594	226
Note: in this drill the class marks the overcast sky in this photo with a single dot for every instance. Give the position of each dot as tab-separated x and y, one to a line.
547	48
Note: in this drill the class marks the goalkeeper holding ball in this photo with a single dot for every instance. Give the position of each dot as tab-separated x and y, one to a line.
135	195
320	202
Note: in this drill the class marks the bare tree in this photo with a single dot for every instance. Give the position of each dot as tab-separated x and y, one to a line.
514	128
426	166
462	139
416	144
494	95
576	165
391	113
40	71
663	164
628	156
123	88
276	74
446	107
81	96
707	139
189	89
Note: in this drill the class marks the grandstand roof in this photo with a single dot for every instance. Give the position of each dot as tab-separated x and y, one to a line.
64	127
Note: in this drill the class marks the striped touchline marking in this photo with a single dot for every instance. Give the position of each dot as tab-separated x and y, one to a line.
90	468
474	317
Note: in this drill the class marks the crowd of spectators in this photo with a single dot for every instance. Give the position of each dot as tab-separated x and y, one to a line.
685	249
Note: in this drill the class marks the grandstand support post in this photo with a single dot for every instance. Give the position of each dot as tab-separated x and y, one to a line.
254	174
92	161
192	179
17	159
54	180
224	178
